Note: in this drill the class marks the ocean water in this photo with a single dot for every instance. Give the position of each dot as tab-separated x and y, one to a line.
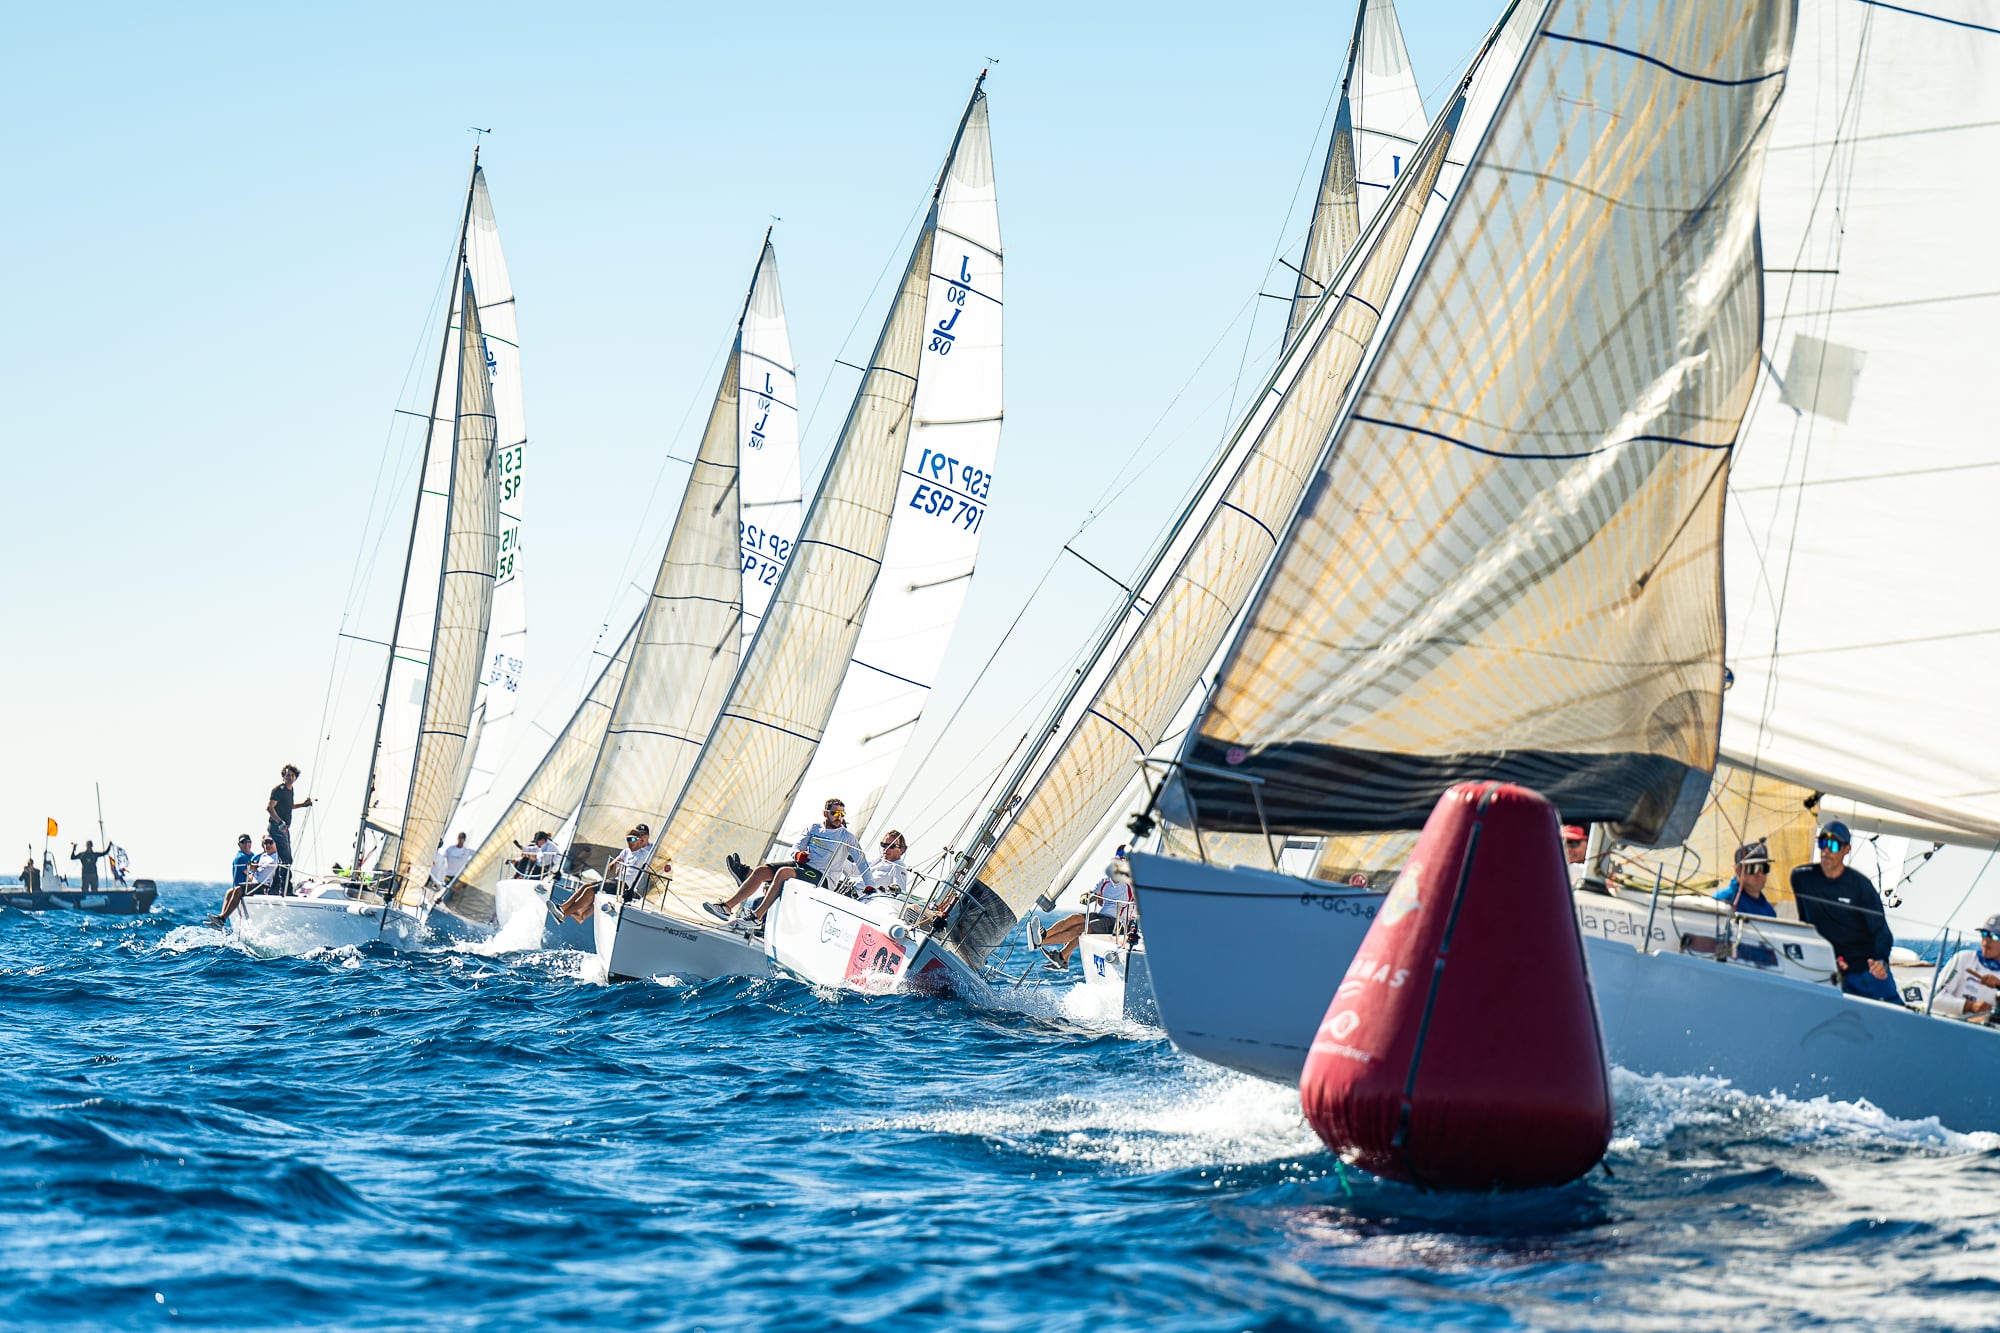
197	1137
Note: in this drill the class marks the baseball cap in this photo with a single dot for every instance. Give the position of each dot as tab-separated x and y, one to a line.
1756	853
1575	833
1833	828
641	828
1991	925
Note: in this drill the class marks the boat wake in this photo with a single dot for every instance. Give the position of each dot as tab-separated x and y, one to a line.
1196	1118
1679	1114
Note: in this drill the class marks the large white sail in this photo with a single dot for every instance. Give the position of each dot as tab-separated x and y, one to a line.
552	792
464	600
1863	625
1378	123
688	646
750	768
767	440
1508	563
1151	665
507	644
941	501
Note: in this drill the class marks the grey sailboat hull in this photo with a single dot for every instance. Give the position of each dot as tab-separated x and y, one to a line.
1245	962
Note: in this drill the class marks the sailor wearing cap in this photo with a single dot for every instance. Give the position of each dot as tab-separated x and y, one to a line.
1972	977
1745	892
1842	905
824	851
629	868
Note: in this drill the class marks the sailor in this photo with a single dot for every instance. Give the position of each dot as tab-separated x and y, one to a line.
1972	977
1745	892
827	848
1109	901
248	874
538	858
628	868
90	858
1842	905
28	873
451	860
279	810
1576	846
888	873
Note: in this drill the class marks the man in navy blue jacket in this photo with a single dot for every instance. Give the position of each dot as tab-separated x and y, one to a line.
1844	908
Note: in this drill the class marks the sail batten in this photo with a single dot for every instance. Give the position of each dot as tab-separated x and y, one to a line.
1508	563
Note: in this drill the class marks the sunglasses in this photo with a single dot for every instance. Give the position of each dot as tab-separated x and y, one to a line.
1832	845
631	837
892	845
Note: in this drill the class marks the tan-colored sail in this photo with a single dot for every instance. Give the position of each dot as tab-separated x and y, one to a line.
464	612
1508	566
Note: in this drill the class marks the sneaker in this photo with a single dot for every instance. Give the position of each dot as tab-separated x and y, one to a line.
736	867
718	911
751	927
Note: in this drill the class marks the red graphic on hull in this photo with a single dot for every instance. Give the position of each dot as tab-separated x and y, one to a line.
875	956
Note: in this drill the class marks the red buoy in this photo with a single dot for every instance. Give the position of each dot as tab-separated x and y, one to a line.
1462	1050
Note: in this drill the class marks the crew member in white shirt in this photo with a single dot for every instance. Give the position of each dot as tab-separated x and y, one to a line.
889	873
628	868
538	858
450	861
826	849
1109	902
1972	977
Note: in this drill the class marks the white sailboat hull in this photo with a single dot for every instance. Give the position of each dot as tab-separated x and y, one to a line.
285	927
1122	974
1245	963
636	943
825	938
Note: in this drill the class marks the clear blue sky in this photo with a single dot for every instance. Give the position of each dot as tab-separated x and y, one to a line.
226	226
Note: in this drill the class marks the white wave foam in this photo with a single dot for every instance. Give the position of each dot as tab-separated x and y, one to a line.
1201	1118
1653	1108
183	938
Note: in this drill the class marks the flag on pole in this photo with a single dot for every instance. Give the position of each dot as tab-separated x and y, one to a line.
52	828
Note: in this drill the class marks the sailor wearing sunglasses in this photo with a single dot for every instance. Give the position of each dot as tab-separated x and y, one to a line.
1972	977
1842	905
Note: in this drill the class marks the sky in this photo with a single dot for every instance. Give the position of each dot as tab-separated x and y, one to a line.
226	230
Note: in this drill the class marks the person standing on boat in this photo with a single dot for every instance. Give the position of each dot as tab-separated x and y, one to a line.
1745	893
279	809
451	860
1972	977
827	848
90	858
888	872
1841	904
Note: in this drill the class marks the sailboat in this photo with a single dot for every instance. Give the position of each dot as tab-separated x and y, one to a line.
636	732
1597	676
425	729
863	609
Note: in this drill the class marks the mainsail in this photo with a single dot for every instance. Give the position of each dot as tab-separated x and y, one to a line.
1863	626
1151	663
1507	565
941	501
767	439
1378	123
464	610
749	770
507	643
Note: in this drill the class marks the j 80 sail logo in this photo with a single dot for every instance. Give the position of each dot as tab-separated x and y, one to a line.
943	337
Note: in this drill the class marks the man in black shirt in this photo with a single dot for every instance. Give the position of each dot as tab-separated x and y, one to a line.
90	857
279	808
1844	908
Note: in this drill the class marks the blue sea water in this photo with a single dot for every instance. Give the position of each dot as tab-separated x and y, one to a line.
198	1137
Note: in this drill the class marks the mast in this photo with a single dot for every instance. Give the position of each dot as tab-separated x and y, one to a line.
403	592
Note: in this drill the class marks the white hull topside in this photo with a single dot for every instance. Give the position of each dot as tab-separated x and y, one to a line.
1245	962
326	918
636	943
826	938
1122	972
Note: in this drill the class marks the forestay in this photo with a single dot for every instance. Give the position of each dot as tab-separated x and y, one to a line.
767	439
507	643
1148	668
1863	625
755	756
1508	563
464	599
1377	126
941	500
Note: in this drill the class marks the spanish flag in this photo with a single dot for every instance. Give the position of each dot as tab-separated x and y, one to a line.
52	828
